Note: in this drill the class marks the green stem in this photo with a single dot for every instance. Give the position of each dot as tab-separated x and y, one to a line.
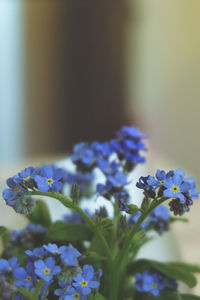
68	202
29	294
135	229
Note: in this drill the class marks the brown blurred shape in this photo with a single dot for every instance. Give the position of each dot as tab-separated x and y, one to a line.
75	54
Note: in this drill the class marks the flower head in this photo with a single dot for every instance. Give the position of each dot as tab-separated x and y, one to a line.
10	265
26	276
152	282
46	269
49	179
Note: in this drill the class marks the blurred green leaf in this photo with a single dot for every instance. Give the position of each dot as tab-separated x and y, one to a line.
193	268
41	214
181	219
61	231
162	296
2	230
189	297
169	269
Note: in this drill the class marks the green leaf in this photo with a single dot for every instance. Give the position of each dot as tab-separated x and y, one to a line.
189	297
185	266
61	231
169	269
2	230
98	296
132	209
162	296
181	219
41	214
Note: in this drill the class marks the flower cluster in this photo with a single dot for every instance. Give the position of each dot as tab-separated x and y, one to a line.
52	263
17	195
159	219
115	187
171	185
153	282
20	240
128	144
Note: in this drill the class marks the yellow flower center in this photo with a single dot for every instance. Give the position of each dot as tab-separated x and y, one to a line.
84	283
15	189
26	178
146	219
46	271
9	269
76	296
49	181
161	182
175	189
154	286
28	278
55	251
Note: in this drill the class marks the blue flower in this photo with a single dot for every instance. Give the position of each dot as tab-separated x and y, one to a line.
25	177
175	187
134	218
69	256
8	265
14	190
83	157
49	179
69	293
149	190
26	277
54	249
193	193
128	145
85	281
149	282
108	168
101	150
160	217
46	269
117	181
36	253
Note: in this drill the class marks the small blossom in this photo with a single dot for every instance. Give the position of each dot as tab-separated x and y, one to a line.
49	179
153	283
69	256
26	276
46	269
8	265
85	281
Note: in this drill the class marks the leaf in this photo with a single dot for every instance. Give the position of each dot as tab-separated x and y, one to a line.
41	214
169	269
61	231
162	296
185	266
181	219
98	296
2	230
189	297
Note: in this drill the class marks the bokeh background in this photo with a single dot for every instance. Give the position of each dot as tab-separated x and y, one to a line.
78	70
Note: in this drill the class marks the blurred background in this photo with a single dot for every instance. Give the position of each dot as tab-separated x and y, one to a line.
78	70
